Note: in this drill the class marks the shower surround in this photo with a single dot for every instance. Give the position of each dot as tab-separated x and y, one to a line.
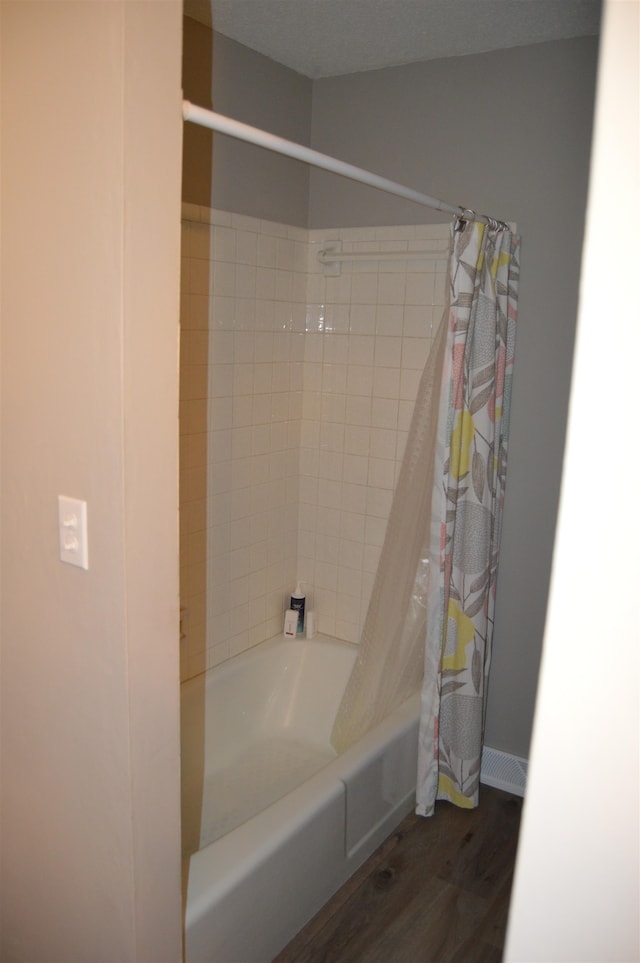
297	388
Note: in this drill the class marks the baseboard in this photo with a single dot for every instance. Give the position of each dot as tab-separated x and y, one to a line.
503	771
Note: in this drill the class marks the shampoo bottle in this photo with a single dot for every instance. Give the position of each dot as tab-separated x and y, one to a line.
297	604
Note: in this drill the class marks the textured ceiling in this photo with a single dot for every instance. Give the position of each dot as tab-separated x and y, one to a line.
324	38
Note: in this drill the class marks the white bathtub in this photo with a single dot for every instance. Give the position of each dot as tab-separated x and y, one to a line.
283	821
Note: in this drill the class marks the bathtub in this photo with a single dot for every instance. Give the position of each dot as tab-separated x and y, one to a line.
274	820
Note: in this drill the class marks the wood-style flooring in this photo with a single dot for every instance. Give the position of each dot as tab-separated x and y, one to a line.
436	891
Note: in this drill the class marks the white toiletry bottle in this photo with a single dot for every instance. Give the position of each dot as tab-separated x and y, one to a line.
290	624
311	624
297	604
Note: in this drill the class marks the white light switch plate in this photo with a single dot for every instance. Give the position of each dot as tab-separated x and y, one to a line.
72	531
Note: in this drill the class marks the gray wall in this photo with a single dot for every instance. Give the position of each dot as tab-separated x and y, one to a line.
257	91
507	133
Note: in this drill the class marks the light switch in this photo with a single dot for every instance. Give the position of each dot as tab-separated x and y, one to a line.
72	531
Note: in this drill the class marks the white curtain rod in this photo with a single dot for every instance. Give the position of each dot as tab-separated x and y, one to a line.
253	135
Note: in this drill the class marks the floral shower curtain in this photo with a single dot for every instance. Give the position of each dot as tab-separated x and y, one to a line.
430	619
466	511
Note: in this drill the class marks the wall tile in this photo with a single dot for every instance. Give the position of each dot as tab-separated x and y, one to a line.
296	392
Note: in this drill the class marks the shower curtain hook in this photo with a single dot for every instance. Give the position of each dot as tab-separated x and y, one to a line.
466	216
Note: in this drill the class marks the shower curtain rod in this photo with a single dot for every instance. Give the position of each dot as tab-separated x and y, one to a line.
253	135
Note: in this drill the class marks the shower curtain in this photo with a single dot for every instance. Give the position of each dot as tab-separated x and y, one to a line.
430	620
471	465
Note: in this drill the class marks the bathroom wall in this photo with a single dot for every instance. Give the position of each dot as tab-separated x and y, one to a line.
507	132
197	142
243	324
221	171
586	711
297	390
90	807
368	334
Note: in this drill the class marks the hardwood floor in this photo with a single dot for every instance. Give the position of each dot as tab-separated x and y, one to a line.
436	891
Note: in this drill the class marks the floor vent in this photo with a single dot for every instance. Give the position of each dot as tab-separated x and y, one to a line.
503	771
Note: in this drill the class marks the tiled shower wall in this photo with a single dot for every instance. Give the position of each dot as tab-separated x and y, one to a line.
297	387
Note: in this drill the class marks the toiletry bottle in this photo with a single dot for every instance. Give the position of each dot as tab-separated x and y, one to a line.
290	624
297	604
311	624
